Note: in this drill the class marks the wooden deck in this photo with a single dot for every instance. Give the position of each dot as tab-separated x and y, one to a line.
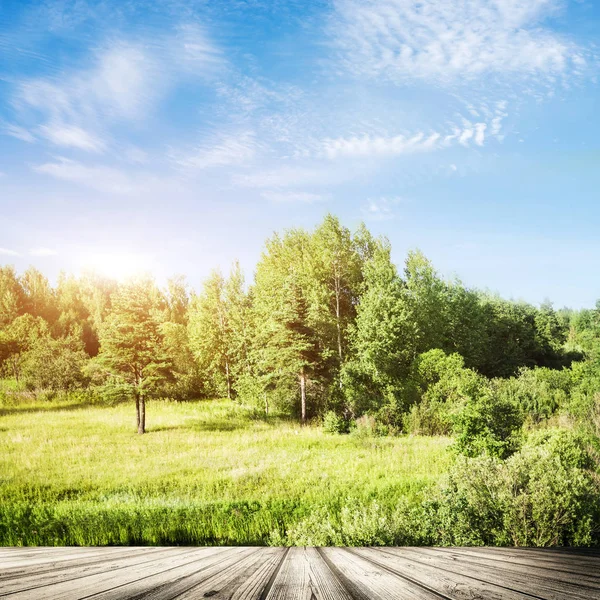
298	573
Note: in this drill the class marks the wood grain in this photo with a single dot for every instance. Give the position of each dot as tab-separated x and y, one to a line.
244	573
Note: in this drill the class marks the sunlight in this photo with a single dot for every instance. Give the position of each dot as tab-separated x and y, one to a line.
119	266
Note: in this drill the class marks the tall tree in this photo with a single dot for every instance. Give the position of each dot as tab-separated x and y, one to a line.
283	331
132	345
210	335
40	298
12	296
334	281
384	338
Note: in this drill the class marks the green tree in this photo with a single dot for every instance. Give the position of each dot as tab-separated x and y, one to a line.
287	346
384	339
209	334
334	283
17	338
55	364
132	344
12	296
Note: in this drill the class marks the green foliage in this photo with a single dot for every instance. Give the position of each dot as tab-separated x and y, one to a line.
333	423
541	496
540	392
55	364
206	472
441	385
487	424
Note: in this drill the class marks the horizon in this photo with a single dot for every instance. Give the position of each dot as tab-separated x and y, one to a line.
180	136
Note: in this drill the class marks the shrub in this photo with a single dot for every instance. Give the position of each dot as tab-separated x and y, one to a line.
540	496
540	392
333	423
442	384
487	424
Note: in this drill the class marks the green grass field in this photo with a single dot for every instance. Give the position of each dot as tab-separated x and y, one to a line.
205	473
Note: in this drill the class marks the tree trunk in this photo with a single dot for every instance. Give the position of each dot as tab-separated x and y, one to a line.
228	379
266	405
142	415
137	409
303	395
339	326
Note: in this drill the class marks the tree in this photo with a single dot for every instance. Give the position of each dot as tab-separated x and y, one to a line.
12	296
40	300
210	334
384	338
17	338
334	280
55	364
132	345
287	345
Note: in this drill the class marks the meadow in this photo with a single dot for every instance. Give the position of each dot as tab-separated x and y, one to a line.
207	472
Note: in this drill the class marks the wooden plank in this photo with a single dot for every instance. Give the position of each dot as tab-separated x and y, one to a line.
373	581
176	581
244	573
169	558
305	576
528	565
453	585
530	584
224	583
45	577
64	566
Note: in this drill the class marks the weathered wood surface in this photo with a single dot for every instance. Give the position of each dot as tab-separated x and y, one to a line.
299	573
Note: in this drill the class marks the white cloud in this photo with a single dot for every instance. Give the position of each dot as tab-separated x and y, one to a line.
8	252
71	136
445	41
382	146
380	209
122	82
292	177
221	151
18	132
101	178
299	197
41	251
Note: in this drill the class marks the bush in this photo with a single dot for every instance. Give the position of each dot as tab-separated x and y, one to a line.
333	423
442	384
357	523
487	424
55	365
540	392
541	496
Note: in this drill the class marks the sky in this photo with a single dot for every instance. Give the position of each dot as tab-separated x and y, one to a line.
176	136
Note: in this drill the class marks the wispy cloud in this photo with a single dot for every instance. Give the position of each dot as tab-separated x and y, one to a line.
42	251
122	82
9	252
443	41
382	146
71	136
293	197
17	132
97	177
380	209
221	151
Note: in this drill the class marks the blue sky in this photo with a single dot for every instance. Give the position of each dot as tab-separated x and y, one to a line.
176	136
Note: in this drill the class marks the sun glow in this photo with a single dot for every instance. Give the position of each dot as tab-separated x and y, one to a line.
120	266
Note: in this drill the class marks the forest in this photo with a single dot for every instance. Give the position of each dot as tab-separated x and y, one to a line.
331	334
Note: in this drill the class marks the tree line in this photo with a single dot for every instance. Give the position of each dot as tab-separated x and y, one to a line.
328	326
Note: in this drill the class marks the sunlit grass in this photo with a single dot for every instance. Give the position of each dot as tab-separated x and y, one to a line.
206	472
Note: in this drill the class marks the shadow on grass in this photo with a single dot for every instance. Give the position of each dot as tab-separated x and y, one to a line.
50	407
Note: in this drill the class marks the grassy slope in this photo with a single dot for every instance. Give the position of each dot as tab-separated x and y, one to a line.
205	473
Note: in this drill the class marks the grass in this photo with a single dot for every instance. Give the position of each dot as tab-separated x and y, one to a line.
206	472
